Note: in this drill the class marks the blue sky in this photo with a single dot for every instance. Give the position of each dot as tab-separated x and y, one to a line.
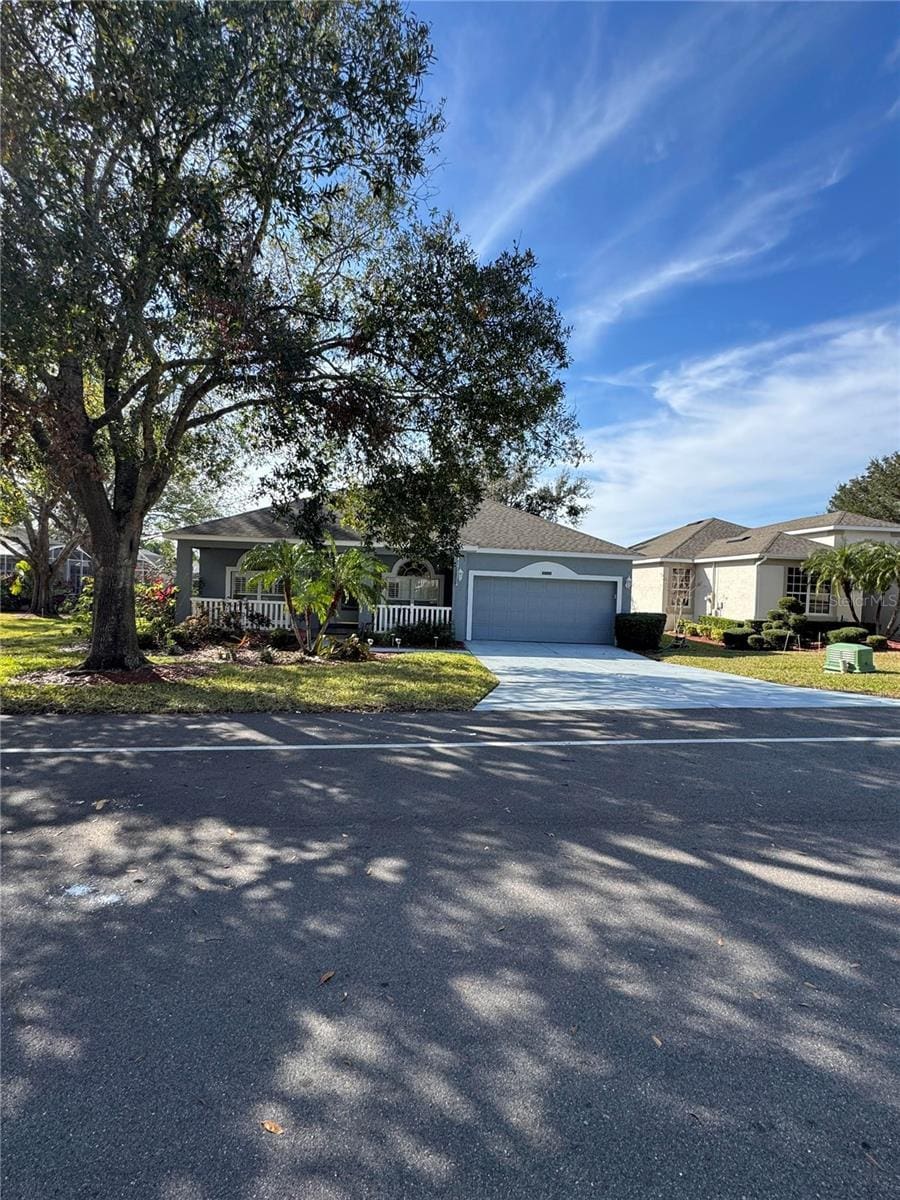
712	192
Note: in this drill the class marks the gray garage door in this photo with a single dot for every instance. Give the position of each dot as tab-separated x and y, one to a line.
542	610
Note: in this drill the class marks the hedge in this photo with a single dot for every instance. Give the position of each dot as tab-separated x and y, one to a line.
641	632
877	641
847	633
736	637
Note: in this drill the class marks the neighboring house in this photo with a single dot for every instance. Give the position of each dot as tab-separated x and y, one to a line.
78	565
517	578
717	567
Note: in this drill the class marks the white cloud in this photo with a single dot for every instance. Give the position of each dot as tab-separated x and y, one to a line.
554	137
756	219
765	428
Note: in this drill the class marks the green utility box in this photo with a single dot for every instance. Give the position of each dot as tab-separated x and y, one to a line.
845	656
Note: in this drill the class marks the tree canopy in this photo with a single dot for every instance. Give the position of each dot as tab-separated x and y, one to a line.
563	497
875	493
212	221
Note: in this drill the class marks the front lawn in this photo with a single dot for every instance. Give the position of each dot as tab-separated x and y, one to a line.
798	669
404	682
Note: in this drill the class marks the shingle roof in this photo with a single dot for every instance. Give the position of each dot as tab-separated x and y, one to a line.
833	520
497	526
260	524
773	542
494	526
688	540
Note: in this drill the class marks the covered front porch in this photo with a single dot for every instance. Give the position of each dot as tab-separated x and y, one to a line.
414	591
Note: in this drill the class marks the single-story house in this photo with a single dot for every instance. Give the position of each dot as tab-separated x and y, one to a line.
517	577
719	568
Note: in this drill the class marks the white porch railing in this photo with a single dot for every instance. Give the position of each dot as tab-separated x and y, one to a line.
389	616
215	606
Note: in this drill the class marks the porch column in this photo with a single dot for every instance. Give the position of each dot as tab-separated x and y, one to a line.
184	574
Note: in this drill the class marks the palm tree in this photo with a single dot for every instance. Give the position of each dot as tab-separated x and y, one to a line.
843	567
289	567
880	575
355	574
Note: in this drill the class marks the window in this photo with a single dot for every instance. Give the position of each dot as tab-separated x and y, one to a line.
412	583
236	586
681	587
815	598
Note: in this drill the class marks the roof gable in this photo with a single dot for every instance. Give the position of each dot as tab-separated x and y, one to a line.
688	540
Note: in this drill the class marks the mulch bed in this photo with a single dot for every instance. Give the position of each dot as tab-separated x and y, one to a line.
194	665
156	673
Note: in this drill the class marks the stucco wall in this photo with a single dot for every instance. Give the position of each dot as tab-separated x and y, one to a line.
647	593
472	560
733	589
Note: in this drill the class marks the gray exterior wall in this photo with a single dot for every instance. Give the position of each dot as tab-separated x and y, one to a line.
215	559
477	560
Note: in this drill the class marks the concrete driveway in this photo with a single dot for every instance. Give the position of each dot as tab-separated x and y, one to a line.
551	675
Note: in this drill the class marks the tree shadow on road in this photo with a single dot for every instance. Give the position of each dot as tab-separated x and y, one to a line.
594	993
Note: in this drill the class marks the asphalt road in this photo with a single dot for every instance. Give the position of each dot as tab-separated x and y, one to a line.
560	969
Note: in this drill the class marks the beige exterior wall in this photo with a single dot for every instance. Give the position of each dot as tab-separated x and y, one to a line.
733	589
647	593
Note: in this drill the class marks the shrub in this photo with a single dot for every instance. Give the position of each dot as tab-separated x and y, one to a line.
780	624
756	641
283	639
737	636
796	622
146	634
10	601
776	637
877	641
714	627
267	655
790	604
192	632
641	632
775	616
847	633
422	633
352	649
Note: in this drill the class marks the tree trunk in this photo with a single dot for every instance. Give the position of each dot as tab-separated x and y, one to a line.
114	644
41	590
848	593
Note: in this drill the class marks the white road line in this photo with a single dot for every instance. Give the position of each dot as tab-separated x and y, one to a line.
475	744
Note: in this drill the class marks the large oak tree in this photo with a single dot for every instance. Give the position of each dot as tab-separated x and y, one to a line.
212	222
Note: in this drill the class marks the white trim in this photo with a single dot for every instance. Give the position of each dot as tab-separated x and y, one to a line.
647	562
479	744
525	572
847	529
401	562
215	539
556	553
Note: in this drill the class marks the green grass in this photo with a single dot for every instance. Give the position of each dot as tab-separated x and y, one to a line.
426	681
796	669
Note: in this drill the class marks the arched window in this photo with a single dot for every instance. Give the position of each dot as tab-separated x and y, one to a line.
412	581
